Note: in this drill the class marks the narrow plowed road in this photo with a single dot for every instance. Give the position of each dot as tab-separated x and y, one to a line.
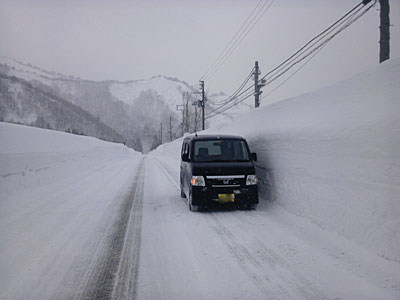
138	240
234	254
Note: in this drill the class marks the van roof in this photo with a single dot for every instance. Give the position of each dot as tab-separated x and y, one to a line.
214	137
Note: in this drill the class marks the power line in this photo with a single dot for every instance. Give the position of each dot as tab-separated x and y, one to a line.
348	19
301	67
236	97
243	31
230	98
242	37
243	84
348	22
239	100
230	42
349	13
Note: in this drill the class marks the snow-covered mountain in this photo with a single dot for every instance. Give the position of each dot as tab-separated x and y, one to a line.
134	109
23	103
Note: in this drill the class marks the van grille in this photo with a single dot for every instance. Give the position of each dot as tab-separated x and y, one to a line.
226	181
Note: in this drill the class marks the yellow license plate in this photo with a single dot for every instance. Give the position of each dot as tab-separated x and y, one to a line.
226	198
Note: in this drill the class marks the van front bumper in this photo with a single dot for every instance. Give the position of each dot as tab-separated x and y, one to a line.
204	195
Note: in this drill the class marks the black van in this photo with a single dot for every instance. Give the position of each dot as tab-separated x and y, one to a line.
218	169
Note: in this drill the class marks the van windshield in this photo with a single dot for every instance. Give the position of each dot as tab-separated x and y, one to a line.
220	151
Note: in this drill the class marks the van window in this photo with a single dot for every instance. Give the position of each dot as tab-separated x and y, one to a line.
220	150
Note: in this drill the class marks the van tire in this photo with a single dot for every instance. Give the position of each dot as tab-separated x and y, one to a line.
183	195
192	208
251	206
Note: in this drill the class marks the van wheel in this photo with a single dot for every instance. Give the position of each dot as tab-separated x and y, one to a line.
192	207
251	206
183	195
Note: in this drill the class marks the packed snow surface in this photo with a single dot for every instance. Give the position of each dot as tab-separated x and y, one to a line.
85	219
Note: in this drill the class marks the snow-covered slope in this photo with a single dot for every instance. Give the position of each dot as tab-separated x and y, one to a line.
332	157
22	103
27	71
169	88
36	156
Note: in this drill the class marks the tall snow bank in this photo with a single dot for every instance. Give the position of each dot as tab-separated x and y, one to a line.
25	139
333	157
31	157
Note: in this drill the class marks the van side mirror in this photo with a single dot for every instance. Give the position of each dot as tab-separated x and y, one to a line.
185	157
253	156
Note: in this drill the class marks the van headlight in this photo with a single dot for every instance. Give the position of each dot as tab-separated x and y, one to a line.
198	181
251	180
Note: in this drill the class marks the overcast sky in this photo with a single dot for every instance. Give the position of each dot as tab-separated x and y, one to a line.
129	40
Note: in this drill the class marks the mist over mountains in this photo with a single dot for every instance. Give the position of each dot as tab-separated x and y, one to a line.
23	103
141	113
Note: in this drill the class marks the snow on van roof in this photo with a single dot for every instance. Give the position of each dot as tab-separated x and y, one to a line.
215	136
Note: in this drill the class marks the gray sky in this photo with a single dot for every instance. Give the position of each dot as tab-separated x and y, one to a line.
128	40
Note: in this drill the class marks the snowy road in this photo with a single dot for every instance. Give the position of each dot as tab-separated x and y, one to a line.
143	243
225	254
103	222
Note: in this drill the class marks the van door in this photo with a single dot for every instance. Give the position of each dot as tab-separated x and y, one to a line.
184	166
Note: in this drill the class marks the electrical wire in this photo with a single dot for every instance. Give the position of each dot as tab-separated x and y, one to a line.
294	73
231	41
349	22
250	26
242	32
221	102
349	13
348	19
307	46
212	114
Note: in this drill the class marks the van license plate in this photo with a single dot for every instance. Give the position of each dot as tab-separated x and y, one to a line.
226	198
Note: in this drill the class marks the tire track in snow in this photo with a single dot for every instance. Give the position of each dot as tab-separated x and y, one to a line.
271	274
113	271
241	254
170	176
269	271
267	256
128	268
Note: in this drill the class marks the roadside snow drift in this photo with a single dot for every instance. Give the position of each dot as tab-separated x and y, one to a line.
332	157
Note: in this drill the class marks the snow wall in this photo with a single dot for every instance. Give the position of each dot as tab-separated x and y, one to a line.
332	156
33	157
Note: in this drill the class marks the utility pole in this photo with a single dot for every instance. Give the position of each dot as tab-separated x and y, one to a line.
180	107
384	52
256	89
200	103
195	118
196	104
170	127
203	104
161	132
257	85
187	112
